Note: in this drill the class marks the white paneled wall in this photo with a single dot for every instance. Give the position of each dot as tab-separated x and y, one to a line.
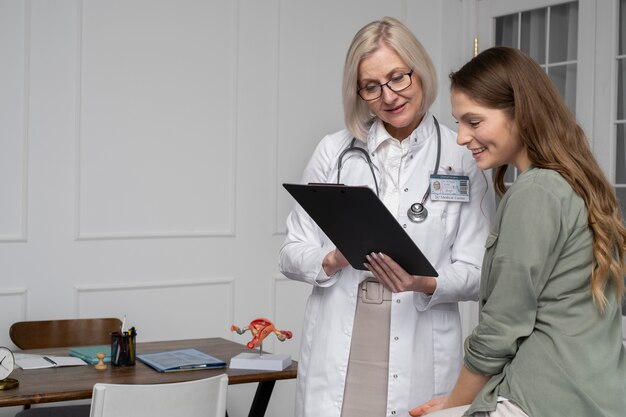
174	143
14	44
143	144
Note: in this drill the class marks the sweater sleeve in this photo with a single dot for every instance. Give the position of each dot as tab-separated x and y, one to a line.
518	263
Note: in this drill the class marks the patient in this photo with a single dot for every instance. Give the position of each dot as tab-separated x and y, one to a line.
549	338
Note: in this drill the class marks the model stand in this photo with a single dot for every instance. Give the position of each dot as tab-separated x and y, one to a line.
260	329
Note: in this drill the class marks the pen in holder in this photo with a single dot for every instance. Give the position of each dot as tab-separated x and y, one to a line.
123	349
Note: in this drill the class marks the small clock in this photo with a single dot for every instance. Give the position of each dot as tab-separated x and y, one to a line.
7	364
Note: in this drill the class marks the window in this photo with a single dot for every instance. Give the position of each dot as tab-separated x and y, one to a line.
550	36
620	115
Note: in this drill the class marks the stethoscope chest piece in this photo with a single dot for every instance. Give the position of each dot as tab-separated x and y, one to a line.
417	213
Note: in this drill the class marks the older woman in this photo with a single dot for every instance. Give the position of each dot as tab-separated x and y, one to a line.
375	343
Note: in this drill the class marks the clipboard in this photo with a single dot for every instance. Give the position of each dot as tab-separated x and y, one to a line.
358	223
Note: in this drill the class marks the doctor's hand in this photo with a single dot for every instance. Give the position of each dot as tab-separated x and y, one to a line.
431	406
395	278
333	262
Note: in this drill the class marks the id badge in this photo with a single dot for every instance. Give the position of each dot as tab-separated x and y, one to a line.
450	188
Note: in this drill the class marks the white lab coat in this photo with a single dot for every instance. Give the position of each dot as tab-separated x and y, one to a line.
425	353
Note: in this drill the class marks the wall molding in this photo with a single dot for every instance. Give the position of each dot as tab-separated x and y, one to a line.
121	287
22	293
277	279
229	231
21	236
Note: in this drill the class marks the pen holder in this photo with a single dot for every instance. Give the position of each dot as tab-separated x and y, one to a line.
123	348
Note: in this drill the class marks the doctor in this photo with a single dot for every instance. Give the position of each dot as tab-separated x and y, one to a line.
377	343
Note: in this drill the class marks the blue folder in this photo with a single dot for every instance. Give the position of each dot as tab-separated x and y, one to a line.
88	353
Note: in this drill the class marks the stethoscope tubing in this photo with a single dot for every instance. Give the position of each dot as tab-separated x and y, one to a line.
352	148
417	212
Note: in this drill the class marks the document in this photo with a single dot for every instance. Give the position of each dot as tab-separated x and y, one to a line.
358	223
30	361
180	360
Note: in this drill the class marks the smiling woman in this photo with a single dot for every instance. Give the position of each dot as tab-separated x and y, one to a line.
399	105
377	341
549	337
489	133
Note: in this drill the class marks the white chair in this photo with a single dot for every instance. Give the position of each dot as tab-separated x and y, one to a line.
199	398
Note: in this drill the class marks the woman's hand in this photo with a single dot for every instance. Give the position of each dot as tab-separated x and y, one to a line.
333	262
431	406
395	278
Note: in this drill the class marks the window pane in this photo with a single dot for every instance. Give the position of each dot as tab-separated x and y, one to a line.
564	77
533	36
621	89
506	30
509	176
620	155
621	198
564	32
622	32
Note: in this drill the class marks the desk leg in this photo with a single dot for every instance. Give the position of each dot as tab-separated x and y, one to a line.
261	399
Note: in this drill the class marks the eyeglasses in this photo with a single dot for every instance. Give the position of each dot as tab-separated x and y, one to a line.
396	84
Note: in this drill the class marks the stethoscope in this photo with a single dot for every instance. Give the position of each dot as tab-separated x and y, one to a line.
417	213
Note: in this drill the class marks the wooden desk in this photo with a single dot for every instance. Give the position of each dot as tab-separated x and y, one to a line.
76	382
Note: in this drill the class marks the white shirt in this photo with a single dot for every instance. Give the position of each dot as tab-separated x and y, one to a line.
391	153
425	349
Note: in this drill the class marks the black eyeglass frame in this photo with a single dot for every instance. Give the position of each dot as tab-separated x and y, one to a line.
380	86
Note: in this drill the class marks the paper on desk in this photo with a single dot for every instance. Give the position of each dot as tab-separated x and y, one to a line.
181	360
30	361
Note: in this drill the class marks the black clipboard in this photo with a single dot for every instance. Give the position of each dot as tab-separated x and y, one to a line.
358	223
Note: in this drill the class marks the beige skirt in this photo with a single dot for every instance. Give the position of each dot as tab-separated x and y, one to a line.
368	367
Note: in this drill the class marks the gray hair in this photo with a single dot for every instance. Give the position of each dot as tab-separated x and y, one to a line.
394	34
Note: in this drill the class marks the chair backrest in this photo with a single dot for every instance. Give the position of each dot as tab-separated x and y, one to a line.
199	398
63	333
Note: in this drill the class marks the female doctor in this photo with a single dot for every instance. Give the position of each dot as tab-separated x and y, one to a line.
377	343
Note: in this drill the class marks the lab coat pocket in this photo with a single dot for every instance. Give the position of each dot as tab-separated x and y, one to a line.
447	346
311	314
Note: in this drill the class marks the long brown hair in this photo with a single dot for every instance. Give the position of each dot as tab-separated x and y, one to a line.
507	79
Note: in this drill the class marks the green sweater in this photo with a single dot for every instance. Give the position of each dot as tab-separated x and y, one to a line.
539	334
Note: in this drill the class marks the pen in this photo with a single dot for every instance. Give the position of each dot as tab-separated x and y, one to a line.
123	323
130	347
117	349
50	360
192	366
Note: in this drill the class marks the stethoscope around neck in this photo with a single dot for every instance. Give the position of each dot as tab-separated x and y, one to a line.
417	212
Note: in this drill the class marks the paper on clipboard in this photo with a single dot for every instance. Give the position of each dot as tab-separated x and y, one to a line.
358	223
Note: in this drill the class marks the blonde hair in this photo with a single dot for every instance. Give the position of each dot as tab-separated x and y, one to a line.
507	79
397	36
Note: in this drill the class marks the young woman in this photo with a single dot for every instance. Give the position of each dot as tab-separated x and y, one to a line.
377	346
549	338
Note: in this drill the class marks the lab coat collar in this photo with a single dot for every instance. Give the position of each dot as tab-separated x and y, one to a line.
378	134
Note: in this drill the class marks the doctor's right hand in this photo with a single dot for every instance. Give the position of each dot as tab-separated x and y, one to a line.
333	262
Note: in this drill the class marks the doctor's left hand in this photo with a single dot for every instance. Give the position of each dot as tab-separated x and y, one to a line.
395	278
